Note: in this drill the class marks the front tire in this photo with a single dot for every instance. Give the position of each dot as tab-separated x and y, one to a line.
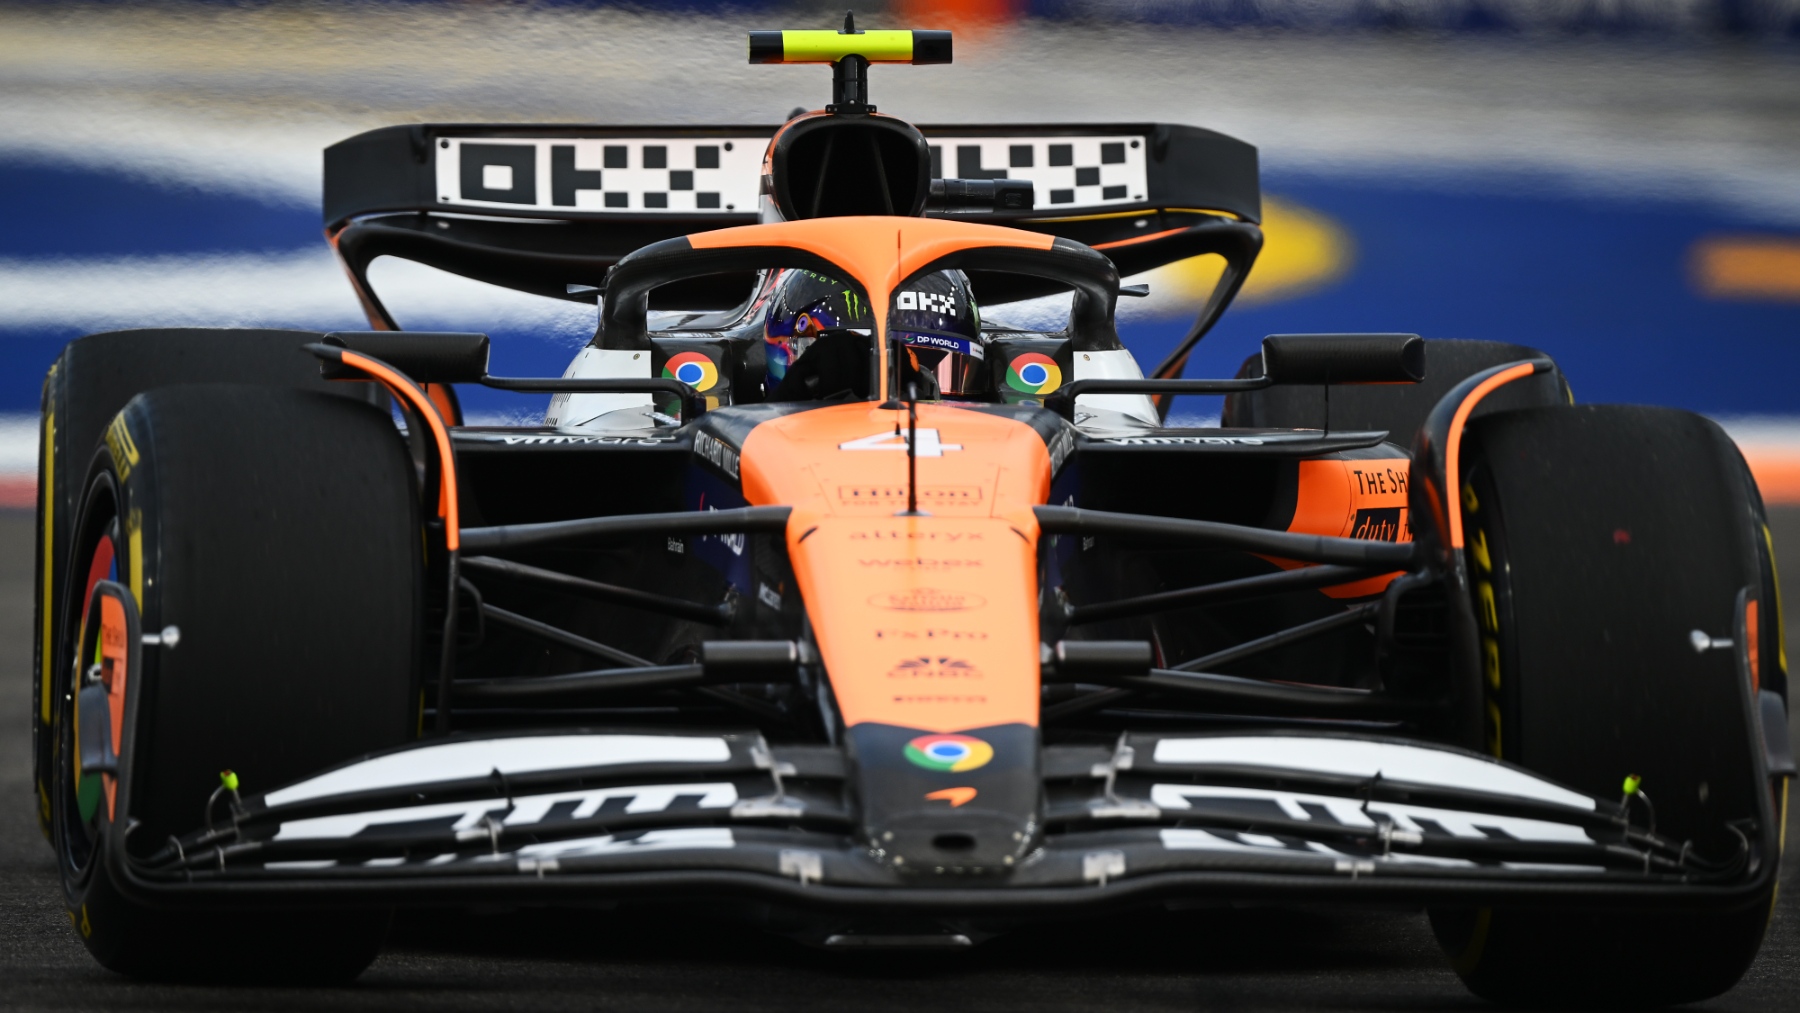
89	383
278	532
1598	538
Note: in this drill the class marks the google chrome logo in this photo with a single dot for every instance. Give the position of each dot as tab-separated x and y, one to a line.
693	369
952	753
1033	373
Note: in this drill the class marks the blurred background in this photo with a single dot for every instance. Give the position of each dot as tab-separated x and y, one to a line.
1616	182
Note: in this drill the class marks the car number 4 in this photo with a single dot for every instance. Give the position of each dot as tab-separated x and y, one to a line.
930	445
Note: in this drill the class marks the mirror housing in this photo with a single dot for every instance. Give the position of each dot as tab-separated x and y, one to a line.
1344	358
424	356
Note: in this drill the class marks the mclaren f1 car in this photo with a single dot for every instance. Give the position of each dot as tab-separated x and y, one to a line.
821	590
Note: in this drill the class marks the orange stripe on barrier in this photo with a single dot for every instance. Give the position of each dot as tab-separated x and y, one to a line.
1777	471
1453	447
1747	267
401	386
18	493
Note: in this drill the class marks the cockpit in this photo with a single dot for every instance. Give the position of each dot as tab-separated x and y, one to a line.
811	331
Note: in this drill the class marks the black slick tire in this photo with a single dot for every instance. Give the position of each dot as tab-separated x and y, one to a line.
88	384
1599	538
278	531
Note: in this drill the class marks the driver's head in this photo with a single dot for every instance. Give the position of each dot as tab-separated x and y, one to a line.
936	318
806	308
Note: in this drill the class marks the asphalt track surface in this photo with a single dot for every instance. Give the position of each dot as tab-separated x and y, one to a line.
1266	959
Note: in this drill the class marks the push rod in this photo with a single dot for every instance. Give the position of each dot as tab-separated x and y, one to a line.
1281	638
558	635
1216	534
1243	589
1096	700
769	519
1227	688
537	689
1273	697
712	615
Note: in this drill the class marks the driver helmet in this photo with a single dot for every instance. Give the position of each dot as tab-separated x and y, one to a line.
807	305
935	316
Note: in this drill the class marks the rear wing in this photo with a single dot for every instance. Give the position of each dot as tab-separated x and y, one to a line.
693	178
548	209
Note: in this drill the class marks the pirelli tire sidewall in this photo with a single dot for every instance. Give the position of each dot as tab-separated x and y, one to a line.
52	522
278	530
1627	527
117	483
1484	531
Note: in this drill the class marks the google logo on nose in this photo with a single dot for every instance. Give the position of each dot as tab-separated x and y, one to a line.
953	753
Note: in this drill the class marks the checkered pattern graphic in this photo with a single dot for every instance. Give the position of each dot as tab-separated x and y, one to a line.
930	302
654	175
1067	172
710	175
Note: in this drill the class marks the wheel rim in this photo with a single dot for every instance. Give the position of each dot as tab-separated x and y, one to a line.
83	802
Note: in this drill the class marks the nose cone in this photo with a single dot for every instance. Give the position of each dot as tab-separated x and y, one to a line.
948	804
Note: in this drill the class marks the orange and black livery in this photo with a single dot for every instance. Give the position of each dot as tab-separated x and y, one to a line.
842	575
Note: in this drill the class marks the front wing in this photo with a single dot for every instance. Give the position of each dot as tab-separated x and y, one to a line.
582	815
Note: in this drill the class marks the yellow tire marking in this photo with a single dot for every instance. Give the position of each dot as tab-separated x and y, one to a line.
134	539
1470	958
47	506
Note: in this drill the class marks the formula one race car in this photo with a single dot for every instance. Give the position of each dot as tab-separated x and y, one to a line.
825	597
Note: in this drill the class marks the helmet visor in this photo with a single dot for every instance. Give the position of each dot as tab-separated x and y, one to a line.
955	362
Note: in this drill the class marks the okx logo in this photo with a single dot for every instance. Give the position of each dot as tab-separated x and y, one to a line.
929	302
953	753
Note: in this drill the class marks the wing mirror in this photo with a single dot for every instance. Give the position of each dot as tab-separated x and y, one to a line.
424	356
1344	358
